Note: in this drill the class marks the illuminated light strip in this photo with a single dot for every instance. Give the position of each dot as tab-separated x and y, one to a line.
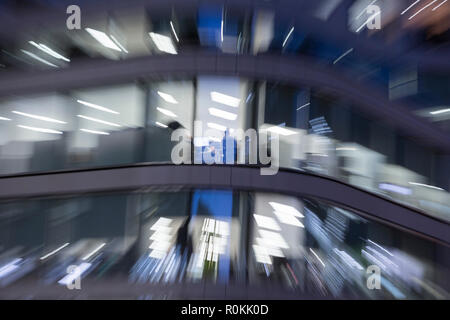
163	43
425	185
287	37
10	267
346	149
404	11
32	55
380	247
95	132
342	56
93	252
167	97
103	39
166	112
49	51
440	111
173	30
38	117
54	251
281	130
287	218
119	44
221	30
99	121
367	21
439	5
266	222
5	119
96	106
420	10
394	188
225	99
40	129
286	209
222	114
161	124
305	105
315	254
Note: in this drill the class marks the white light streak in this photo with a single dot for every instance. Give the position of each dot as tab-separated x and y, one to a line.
99	121
54	251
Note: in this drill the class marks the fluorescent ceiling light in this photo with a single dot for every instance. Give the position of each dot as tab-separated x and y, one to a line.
222	114
95	132
160	245
440	111
32	55
10	267
38	117
119	44
404	11
166	112
160	236
419	11
348	259
5	119
99	121
261	254
275	238
162	222
285	208
167	97
425	185
376	244
345	149
93	252
287	37
342	56
395	188
305	105
54	251
281	130
266	222
103	39
43	130
160	124
157	254
439	5
49	51
221	30
287	218
163	43
173	30
213	125
225	99
268	247
315	254
96	106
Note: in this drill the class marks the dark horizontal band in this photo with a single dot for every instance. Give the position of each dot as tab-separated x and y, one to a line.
290	182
